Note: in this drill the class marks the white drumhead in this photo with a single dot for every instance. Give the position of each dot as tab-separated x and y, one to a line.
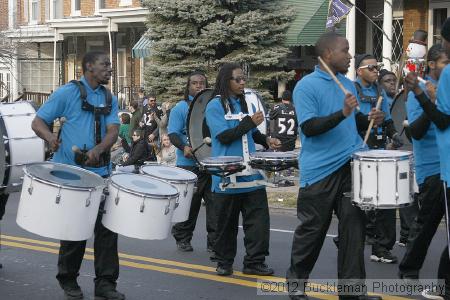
169	173
64	175
144	185
380	154
222	160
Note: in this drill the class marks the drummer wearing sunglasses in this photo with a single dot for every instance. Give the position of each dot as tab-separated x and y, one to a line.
381	224
227	140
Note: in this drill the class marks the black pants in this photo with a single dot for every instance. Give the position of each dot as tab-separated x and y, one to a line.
3	201
407	216
424	226
315	206
106	259
255	222
381	227
183	231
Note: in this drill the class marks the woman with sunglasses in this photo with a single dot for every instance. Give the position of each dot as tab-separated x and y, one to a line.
251	201
139	151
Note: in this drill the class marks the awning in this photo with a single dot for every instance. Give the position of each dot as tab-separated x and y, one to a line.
309	22
142	48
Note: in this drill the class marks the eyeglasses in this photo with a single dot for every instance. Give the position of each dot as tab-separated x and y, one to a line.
135	135
371	68
239	79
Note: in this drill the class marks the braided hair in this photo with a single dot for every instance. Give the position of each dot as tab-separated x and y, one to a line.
222	88
188	82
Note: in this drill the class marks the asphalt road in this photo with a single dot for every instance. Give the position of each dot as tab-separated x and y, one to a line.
156	270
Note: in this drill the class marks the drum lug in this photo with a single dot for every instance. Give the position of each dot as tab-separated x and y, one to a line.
186	190
30	188
58	197
88	200
142	206
116	200
167	209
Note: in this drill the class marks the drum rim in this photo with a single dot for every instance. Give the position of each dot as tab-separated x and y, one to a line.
406	156
145	195
191	180
256	155
63	187
219	164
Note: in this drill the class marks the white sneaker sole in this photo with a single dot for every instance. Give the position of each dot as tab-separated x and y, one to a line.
381	259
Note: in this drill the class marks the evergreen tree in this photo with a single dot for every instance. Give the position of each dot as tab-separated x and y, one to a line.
202	34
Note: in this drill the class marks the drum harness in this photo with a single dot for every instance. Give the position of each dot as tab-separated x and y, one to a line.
105	157
380	132
233	184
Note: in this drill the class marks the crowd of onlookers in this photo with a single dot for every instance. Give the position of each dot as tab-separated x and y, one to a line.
143	134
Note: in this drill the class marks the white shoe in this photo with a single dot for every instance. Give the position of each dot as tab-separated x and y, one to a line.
432	294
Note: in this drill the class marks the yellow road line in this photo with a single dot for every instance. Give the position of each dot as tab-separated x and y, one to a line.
232	280
135	265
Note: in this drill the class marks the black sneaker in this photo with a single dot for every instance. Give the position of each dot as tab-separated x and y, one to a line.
432	294
299	297
383	257
258	269
224	270
185	246
109	295
72	291
408	278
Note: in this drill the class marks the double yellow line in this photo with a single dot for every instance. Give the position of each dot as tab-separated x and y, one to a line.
164	266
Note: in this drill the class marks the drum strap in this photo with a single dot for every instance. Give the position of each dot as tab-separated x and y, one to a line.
368	99
98	112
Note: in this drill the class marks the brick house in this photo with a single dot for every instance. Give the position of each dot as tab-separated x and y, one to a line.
406	17
50	38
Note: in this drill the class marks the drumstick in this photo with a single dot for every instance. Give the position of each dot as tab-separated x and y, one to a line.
341	86
62	120
206	141
380	98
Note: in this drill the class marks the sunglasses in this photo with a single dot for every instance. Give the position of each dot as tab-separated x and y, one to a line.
135	135
239	79
371	68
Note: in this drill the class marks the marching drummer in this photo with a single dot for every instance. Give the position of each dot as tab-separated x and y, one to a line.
329	137
439	114
427	164
86	105
381	223
183	232
227	140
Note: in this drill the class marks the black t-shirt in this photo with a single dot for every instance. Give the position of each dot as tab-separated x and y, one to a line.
149	123
284	125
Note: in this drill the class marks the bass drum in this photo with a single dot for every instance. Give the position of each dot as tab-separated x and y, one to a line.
197	129
19	144
400	118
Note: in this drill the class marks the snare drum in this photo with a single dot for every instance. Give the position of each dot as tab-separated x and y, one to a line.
273	161
222	165
183	180
19	144
59	201
139	206
382	179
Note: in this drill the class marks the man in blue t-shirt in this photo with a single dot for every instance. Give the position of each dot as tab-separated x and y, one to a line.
183	231
426	159
439	114
329	137
251	200
78	130
381	222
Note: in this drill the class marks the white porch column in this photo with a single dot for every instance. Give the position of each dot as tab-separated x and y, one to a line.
350	35
14	74
387	27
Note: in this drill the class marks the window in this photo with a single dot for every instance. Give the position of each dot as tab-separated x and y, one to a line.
439	17
76	8
125	3
37	75
56	9
34	11
99	4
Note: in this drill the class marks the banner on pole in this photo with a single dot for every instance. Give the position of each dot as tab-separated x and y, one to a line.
337	10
